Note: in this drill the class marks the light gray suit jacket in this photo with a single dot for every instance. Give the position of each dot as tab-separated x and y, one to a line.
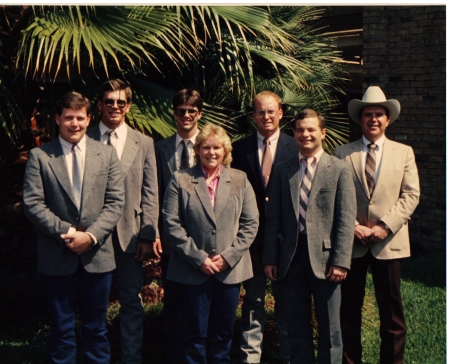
393	200
167	165
140	216
197	231
49	205
330	217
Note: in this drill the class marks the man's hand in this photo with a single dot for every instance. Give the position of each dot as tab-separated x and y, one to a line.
362	233
143	250
220	262
379	233
208	267
271	272
157	248
79	242
336	274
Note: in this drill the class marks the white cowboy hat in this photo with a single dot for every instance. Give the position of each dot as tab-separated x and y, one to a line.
374	96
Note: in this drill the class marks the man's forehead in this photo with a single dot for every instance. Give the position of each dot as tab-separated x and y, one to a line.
71	110
114	93
266	100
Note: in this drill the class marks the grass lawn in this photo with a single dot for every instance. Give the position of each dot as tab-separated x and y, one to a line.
24	324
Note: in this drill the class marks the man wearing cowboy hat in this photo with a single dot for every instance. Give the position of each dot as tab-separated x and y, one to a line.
387	192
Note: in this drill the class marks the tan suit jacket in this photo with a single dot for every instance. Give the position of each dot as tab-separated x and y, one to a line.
394	198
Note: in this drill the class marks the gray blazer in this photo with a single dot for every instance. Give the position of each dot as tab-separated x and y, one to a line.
166	162
197	231
140	216
49	205
330	217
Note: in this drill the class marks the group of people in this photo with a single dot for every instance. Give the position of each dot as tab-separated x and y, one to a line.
218	214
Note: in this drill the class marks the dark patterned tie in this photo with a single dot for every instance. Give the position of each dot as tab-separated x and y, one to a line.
184	163
371	167
305	188
266	165
77	175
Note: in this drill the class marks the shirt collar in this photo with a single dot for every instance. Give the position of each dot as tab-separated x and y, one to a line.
316	156
379	142
179	139
217	175
68	146
121	131
274	137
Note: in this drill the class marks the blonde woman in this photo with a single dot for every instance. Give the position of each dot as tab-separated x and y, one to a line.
211	218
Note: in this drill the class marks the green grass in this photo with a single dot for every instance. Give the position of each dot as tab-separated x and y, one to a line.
24	324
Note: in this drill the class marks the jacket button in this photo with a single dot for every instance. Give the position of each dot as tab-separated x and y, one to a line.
213	232
267	199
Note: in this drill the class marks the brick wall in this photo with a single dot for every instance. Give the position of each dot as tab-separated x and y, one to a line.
404	53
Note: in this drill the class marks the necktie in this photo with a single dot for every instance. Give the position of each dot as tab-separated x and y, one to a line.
184	162
112	139
77	175
266	165
371	167
305	188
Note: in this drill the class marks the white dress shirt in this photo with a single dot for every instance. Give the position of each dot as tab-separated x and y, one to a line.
118	138
273	145
179	148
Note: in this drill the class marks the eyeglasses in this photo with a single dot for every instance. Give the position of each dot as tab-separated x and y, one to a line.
181	112
111	102
262	113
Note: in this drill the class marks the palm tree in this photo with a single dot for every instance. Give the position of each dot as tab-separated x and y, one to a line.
228	53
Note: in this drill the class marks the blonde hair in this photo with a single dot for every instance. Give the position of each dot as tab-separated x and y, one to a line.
221	137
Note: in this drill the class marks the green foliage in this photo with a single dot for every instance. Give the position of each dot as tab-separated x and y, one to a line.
227	53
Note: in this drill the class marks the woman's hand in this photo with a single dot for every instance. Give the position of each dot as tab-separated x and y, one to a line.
220	262
208	267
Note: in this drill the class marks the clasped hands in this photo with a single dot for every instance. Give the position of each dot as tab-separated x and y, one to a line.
214	265
79	242
372	235
335	274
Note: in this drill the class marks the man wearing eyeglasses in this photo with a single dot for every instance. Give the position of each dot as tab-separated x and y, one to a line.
256	155
136	230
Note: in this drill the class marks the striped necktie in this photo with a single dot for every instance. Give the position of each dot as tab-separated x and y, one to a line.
371	167
77	175
305	189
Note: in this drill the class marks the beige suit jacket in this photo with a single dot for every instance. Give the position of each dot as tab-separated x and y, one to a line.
394	198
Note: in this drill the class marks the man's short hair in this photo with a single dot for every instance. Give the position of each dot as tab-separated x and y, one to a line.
309	113
115	85
361	110
73	100
221	137
187	96
268	94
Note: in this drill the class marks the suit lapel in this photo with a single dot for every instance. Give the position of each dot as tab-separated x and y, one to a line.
388	150
356	157
91	168
202	191
251	151
169	151
293	179
223	191
320	176
59	167
130	149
